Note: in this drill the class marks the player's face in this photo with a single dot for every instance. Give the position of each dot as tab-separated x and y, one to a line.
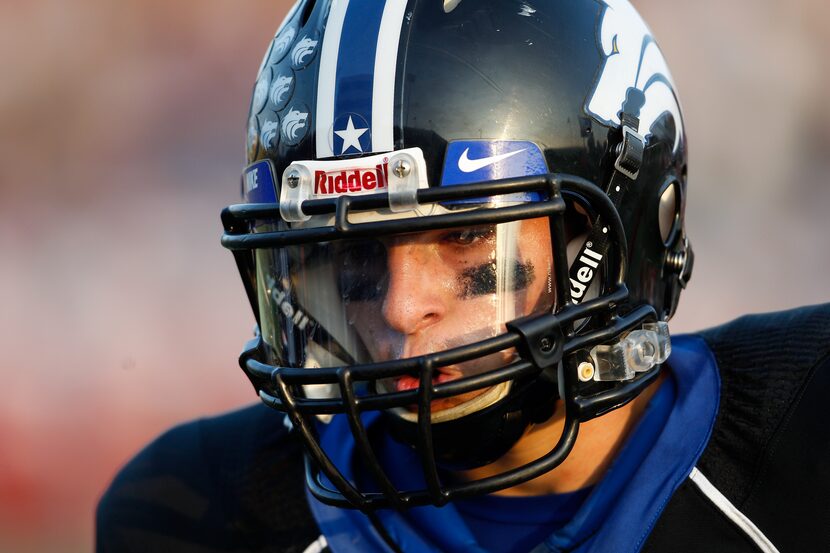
447	288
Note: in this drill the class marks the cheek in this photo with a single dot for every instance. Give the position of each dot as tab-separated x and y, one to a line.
476	312
538	253
540	293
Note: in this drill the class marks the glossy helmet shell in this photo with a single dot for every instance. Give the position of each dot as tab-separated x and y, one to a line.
347	79
556	74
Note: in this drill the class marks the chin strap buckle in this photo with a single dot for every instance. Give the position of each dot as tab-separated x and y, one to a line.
630	151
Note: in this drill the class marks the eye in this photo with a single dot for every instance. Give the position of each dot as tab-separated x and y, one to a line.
468	237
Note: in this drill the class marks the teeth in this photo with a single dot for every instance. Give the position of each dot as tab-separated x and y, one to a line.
407	382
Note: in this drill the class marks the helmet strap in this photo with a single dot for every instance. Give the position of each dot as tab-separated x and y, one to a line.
626	170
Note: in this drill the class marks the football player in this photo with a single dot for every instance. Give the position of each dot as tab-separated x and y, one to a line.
462	235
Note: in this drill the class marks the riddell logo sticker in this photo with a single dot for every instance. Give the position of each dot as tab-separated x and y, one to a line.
282	300
354	181
588	263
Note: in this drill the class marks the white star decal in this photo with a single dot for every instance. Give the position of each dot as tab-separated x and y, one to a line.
351	137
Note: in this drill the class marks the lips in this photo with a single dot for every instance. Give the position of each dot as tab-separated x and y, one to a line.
408	382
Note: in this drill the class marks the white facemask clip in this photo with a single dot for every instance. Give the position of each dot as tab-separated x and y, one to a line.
400	173
407	173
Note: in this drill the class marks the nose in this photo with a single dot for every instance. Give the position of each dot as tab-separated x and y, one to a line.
416	293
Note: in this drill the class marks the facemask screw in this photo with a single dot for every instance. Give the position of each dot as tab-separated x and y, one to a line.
546	345
676	261
293	179
585	371
401	169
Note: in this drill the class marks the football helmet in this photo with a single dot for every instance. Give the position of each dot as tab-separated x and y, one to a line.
458	217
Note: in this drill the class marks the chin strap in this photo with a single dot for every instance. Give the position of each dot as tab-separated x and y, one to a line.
626	170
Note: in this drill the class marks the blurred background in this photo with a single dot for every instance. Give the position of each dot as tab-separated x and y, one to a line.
122	129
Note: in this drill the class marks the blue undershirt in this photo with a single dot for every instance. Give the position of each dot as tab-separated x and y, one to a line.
517	524
504	524
616	515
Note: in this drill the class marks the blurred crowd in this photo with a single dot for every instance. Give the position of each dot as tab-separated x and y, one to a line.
122	128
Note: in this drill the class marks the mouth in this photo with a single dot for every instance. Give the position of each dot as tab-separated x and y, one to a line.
408	382
451	407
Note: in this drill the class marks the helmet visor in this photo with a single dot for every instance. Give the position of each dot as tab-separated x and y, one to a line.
362	301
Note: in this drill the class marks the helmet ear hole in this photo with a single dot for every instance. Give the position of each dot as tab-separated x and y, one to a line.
578	218
668	212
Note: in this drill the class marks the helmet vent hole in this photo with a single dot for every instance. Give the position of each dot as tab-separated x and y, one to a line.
307	9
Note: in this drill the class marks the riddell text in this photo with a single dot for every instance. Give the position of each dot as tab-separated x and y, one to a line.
356	180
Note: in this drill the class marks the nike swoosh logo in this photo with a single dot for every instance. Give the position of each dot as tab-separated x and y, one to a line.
468	165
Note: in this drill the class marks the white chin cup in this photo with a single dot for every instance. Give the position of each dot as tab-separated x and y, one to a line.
488	398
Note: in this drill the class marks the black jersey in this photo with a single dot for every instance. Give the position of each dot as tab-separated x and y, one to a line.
235	482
